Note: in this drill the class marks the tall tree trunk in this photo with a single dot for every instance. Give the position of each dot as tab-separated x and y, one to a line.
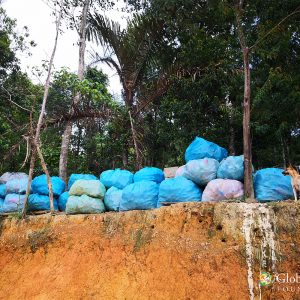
283	152
138	158
231	138
125	155
231	145
35	143
137	150
248	181
63	160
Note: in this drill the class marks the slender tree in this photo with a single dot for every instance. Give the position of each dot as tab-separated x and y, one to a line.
63	161
247	51
131	53
35	137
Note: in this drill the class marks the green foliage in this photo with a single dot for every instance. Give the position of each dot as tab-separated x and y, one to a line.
203	97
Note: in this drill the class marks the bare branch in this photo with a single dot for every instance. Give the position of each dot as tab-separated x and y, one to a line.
297	10
13	102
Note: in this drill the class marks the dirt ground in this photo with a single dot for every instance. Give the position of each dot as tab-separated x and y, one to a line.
184	251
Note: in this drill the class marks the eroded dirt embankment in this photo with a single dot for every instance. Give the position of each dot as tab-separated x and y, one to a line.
184	251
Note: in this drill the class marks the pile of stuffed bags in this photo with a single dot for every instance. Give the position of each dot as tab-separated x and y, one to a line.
13	189
208	175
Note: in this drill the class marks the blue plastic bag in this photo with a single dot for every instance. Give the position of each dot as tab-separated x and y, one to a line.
38	202
84	205
13	202
139	195
16	186
117	178
1	204
179	189
113	198
2	190
39	185
149	174
62	201
201	148
232	167
201	171
75	177
270	184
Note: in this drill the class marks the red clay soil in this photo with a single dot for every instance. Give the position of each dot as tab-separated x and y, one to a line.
185	251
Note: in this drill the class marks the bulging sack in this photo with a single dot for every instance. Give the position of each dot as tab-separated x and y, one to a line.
13	203
11	176
38	202
179	189
1	204
62	201
39	185
113	198
140	195
201	148
149	174
201	171
75	177
16	186
223	189
271	185
117	178
2	190
84	205
232	167
92	188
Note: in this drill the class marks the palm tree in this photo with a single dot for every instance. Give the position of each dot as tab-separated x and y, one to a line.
131	53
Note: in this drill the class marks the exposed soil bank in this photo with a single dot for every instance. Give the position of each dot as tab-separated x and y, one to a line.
184	251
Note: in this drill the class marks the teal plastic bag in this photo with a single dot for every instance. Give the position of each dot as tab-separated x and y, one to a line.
38	202
92	188
201	171
75	177
39	185
201	148
62	201
271	185
140	195
2	190
113	198
149	174
84	205
1	204
179	189
117	178
232	167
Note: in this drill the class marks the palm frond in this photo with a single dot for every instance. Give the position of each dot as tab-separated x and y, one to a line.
133	47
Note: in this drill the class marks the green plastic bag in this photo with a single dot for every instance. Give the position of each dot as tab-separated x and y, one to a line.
92	188
84	205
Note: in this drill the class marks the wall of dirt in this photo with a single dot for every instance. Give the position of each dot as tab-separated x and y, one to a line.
184	251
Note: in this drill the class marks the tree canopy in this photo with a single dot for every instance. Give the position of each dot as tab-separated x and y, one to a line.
190	83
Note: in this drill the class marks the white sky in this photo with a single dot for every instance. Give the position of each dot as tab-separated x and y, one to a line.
36	15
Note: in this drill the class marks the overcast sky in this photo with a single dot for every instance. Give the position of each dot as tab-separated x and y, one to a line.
36	15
